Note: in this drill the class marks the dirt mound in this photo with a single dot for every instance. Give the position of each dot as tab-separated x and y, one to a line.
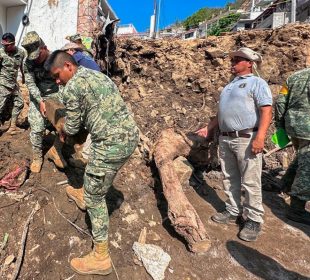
167	84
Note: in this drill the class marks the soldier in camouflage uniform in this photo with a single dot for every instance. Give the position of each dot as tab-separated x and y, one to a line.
293	114
11	59
92	101
41	86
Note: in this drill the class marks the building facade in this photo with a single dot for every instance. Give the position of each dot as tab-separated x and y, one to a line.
53	20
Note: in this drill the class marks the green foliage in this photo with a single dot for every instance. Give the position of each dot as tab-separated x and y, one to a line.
224	24
200	16
235	5
208	13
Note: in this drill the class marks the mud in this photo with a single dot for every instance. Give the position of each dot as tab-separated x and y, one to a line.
166	84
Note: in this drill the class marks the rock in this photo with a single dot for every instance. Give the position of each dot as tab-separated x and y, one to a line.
125	208
307	207
8	260
131	218
212	53
74	241
153	258
183	169
51	236
152	235
152	223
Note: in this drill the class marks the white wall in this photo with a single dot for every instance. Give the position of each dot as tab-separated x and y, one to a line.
13	21
2	20
53	23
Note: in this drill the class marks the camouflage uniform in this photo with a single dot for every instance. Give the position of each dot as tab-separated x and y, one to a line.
92	100
293	114
9	65
41	86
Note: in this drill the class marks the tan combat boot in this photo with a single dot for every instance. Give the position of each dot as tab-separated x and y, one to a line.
13	129
97	262
36	164
55	154
77	195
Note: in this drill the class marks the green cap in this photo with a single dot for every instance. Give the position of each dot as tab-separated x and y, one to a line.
32	43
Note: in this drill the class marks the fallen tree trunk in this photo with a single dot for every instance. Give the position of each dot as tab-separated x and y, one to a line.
181	213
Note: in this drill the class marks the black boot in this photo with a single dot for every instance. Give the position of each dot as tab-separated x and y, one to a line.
297	212
250	230
226	218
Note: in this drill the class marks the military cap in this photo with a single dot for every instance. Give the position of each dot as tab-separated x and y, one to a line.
32	43
247	54
74	37
69	46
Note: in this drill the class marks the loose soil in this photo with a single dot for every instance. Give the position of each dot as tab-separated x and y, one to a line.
166	84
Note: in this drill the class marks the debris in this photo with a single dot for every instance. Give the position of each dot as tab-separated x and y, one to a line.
62	183
183	169
307	207
142	236
71	223
8	260
23	242
131	218
153	258
15	176
181	213
4	242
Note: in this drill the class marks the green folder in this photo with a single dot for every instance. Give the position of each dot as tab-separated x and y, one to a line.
280	138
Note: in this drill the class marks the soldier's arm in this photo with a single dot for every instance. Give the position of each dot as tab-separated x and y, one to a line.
34	91
281	106
73	111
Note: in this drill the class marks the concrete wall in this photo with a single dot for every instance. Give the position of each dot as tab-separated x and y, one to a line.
14	17
53	20
2	20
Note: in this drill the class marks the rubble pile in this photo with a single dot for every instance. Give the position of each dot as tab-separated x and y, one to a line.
173	83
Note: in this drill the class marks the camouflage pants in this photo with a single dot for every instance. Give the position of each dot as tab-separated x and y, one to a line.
18	102
38	125
97	181
301	167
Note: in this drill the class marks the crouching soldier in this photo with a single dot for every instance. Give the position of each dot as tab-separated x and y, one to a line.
92	101
41	86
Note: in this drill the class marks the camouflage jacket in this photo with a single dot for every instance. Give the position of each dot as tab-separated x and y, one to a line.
92	100
39	82
292	111
9	65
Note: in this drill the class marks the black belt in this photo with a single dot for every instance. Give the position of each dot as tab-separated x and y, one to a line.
241	133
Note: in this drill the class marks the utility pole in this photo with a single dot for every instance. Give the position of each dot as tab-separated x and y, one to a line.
253	6
153	22
158	19
293	11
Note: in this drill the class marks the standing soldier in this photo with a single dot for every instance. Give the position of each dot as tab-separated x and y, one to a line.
41	86
11	59
92	101
293	114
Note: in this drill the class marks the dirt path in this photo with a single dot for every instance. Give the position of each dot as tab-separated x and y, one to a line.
281	252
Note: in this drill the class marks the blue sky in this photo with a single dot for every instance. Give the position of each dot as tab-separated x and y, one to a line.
138	12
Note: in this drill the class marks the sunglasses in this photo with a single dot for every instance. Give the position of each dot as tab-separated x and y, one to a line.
7	43
238	59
